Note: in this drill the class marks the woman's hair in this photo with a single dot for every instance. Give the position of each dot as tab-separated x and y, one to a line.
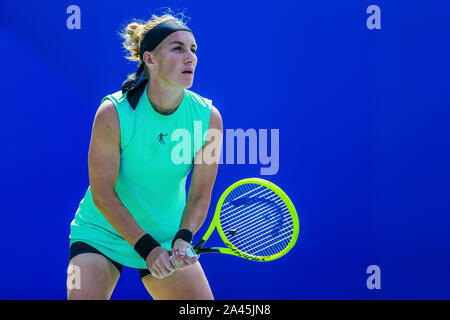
133	35
135	31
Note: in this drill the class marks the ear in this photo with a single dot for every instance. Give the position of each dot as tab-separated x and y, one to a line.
149	60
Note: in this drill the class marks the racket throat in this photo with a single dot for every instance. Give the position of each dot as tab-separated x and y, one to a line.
209	250
199	245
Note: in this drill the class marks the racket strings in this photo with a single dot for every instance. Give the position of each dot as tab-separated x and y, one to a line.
256	220
256	208
250	237
229	205
265	240
250	225
254	225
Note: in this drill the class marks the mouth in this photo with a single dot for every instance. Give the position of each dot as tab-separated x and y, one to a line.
188	73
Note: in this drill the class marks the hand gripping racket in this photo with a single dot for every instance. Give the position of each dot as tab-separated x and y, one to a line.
255	219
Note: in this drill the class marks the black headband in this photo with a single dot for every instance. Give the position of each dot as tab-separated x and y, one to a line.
155	36
161	31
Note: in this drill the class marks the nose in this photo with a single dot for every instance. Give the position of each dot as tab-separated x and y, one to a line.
192	58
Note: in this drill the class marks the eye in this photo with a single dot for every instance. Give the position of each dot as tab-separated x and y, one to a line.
180	48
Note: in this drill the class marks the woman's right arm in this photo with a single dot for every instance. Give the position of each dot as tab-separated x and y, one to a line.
104	163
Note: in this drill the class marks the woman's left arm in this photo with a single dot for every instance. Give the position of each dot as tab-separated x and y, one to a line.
206	163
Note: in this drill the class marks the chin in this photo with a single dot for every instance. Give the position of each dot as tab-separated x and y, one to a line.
186	84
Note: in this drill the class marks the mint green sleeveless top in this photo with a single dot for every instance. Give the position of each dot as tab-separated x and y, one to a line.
157	153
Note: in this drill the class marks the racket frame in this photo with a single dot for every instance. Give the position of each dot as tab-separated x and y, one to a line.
232	250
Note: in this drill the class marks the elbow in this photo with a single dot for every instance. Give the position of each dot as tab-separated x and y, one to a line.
102	199
203	203
199	198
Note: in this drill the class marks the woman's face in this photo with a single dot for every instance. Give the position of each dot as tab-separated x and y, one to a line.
174	60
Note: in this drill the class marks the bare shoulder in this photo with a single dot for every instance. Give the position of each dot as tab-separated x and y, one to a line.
216	119
107	115
106	122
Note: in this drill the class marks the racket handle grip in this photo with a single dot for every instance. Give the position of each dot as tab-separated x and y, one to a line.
190	252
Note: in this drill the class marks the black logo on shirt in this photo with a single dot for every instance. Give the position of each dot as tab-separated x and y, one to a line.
161	138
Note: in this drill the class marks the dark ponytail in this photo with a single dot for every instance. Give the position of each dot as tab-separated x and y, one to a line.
134	87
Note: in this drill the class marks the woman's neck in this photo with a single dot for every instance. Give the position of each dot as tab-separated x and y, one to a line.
163	99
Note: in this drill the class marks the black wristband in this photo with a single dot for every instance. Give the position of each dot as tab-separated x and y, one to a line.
184	234
145	245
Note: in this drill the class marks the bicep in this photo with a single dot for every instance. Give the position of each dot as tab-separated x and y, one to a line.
206	161
104	152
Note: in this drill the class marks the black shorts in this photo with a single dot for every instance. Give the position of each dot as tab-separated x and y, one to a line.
80	247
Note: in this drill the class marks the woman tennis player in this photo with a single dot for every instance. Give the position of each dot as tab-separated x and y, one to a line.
135	211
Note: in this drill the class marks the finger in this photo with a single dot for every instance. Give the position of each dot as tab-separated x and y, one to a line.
190	260
170	261
169	266
177	246
181	246
165	268
161	269
179	264
183	252
155	273
175	262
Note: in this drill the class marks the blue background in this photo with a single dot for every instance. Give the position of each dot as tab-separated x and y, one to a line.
364	137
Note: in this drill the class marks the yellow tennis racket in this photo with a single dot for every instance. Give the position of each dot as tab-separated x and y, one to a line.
255	219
